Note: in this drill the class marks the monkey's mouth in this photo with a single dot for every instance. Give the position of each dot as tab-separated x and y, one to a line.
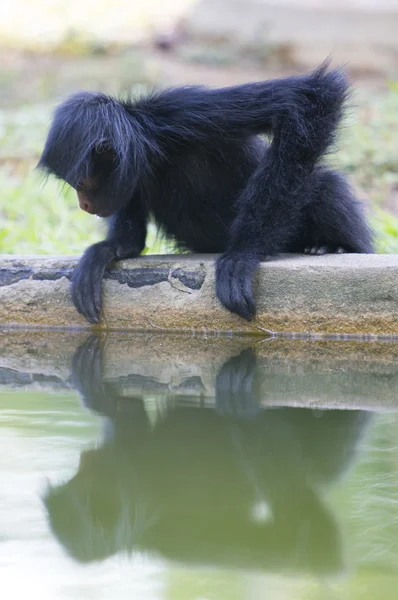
103	213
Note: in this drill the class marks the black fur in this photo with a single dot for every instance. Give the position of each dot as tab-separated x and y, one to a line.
191	158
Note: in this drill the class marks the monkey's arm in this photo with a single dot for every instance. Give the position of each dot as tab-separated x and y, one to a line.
195	113
125	239
271	206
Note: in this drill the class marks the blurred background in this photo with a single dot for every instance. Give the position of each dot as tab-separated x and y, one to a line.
50	48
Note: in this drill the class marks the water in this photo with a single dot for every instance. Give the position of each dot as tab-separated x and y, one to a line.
194	468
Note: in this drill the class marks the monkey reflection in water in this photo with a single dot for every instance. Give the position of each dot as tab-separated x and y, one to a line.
229	487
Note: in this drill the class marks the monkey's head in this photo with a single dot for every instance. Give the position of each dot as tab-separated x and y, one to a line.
99	148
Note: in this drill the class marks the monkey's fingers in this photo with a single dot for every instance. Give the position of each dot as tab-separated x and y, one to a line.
87	281
319	250
234	276
81	292
83	297
97	278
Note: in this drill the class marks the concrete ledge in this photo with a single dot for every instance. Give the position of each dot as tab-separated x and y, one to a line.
334	294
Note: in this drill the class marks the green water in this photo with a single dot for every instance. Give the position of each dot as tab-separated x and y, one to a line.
176	493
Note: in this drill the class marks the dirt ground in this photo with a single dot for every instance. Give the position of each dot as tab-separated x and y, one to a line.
30	77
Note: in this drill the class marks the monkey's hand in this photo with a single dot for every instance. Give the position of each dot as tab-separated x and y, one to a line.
234	282
87	280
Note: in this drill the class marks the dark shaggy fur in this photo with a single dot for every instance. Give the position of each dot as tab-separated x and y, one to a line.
191	158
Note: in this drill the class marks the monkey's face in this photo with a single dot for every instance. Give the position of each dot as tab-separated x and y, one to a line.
94	192
90	147
91	198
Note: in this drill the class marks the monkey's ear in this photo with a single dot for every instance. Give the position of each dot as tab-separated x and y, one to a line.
104	147
104	153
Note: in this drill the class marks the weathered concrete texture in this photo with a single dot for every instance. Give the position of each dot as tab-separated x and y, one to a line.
362	32
336	294
184	368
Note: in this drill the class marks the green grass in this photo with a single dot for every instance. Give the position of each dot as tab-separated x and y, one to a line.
43	217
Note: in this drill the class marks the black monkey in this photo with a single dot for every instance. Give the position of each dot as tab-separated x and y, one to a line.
191	158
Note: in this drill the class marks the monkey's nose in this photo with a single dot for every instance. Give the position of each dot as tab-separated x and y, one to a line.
86	206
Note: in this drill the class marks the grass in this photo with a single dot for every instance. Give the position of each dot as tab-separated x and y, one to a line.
44	218
369	155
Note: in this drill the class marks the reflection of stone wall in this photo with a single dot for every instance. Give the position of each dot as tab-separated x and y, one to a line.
184	368
363	32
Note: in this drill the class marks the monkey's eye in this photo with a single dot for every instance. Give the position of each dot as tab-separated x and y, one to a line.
82	187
